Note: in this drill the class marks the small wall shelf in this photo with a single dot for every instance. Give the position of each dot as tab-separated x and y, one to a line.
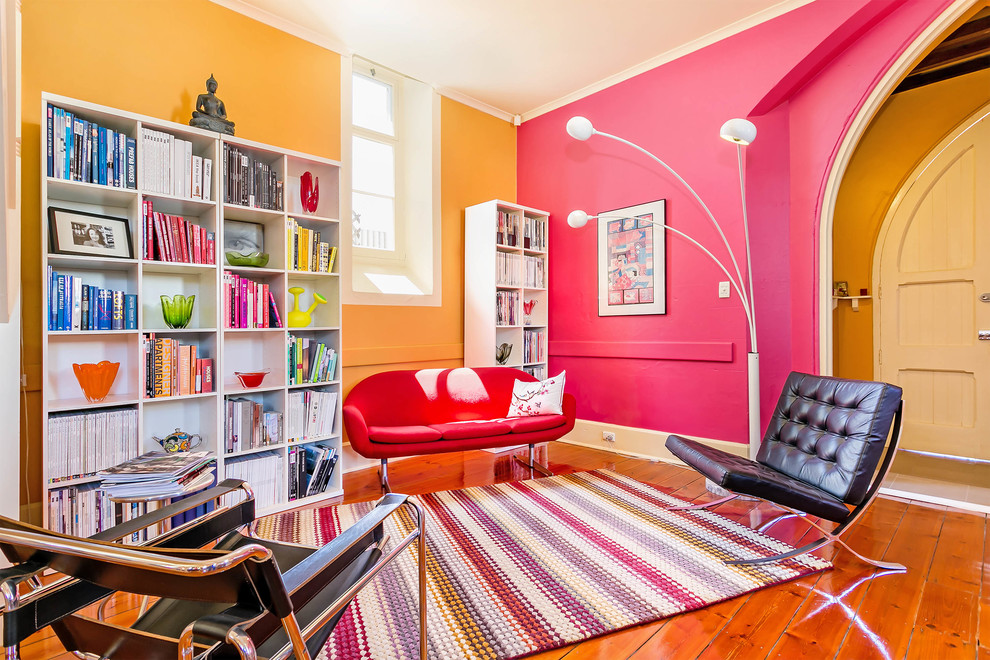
854	301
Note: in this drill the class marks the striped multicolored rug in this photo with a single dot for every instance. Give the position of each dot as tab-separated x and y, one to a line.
518	568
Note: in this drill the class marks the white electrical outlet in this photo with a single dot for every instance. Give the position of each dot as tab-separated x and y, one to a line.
723	289
608	436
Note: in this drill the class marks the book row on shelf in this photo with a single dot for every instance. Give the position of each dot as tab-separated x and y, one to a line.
86	510
311	415
81	444
247	425
80	150
506	307
73	305
80	510
173	238
174	369
307	252
534	275
511	224
263	471
169	166
507	228
310	469
534	342
248	304
249	181
537	371
508	270
310	361
535	234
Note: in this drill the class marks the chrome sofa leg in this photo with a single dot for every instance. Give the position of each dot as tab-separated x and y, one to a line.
383	472
533	465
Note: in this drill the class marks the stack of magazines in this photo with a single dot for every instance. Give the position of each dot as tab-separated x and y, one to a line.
157	475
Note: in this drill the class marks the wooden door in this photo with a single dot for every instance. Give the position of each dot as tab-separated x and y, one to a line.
933	267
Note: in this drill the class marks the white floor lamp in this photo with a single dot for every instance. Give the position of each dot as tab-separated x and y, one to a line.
741	132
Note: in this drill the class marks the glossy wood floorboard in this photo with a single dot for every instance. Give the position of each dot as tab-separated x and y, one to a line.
939	609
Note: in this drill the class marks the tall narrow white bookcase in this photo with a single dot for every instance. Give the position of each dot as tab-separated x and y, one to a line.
505	273
231	349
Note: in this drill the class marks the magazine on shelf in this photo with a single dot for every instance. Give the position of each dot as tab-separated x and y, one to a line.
156	465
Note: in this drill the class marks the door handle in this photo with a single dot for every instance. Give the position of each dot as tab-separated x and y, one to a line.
983	335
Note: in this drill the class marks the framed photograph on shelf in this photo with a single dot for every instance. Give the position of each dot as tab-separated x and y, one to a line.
88	234
243	237
631	261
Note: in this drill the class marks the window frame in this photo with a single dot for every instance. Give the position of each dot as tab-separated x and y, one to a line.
393	80
420	233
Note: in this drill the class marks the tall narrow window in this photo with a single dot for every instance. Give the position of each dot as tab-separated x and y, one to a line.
391	187
374	146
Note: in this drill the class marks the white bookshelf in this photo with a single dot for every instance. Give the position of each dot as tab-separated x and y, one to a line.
484	253
231	349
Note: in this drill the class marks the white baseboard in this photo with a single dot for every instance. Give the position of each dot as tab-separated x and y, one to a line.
638	443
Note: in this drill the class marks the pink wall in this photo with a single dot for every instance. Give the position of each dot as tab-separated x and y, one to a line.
809	72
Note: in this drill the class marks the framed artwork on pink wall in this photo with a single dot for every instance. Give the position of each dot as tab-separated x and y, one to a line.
631	261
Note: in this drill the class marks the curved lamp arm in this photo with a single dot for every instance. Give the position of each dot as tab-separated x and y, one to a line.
700	201
580	218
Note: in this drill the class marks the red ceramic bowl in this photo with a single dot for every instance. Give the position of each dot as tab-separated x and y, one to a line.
251	378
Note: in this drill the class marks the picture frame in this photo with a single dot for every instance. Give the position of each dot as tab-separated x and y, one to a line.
243	237
88	234
632	260
840	289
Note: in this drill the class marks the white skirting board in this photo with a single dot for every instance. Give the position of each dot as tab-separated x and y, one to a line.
639	443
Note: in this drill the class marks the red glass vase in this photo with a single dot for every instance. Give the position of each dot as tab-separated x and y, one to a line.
309	192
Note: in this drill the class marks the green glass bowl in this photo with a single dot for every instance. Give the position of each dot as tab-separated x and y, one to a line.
256	259
177	310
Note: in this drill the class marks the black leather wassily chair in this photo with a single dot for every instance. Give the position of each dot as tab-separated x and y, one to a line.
819	456
243	597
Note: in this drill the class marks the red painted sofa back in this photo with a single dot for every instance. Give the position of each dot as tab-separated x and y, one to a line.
435	396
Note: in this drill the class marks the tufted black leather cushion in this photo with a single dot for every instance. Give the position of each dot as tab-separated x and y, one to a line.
741	475
830	432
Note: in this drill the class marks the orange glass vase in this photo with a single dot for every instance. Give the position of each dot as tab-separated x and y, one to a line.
96	379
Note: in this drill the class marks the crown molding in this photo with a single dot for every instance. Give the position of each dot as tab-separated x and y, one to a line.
472	102
279	23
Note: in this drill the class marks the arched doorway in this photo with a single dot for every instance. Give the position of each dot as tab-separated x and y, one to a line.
879	109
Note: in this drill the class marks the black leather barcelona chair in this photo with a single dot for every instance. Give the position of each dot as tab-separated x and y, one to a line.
243	597
825	453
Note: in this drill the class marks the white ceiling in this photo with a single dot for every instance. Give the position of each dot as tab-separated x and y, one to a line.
515	57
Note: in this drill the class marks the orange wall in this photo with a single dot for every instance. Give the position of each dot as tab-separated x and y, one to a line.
478	163
905	129
278	89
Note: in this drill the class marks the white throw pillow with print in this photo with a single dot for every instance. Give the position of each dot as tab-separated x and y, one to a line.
543	397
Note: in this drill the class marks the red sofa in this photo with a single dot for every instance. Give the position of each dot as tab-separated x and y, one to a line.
429	411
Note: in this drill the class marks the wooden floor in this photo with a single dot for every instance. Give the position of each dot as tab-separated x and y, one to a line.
939	609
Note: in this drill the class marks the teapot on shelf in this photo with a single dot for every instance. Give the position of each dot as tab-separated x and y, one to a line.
178	441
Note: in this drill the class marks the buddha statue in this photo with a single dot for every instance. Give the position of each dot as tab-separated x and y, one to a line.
210	112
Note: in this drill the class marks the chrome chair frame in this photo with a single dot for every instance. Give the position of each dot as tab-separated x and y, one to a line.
70	594
828	537
144	559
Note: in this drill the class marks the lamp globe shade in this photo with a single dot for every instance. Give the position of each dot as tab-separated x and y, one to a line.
740	131
577	219
580	128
